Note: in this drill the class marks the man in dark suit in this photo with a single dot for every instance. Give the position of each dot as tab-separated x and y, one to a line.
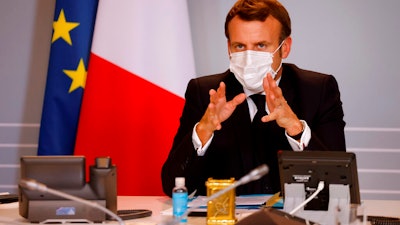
222	133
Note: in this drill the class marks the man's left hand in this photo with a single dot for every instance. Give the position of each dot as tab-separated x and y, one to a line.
279	109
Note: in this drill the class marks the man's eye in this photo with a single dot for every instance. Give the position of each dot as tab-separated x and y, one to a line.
261	46
239	47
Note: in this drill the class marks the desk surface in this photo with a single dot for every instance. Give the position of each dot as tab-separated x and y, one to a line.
157	204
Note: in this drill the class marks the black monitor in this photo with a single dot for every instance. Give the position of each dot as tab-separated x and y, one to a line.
311	167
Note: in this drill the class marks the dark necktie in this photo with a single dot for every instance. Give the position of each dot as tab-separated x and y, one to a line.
259	132
259	100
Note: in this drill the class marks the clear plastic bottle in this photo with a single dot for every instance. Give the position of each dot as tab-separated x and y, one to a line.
179	198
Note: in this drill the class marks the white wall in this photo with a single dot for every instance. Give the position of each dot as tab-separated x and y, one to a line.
25	28
356	41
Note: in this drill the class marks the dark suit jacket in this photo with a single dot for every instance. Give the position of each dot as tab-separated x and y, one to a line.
314	97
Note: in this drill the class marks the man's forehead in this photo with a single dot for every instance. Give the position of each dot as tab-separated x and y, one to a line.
269	29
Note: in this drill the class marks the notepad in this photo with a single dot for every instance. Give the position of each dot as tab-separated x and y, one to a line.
243	203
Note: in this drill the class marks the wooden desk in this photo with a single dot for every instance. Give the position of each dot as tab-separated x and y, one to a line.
9	212
159	204
156	204
382	208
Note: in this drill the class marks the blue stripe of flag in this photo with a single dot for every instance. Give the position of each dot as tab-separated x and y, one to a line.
60	107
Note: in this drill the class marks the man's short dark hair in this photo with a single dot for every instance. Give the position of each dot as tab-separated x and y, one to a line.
250	10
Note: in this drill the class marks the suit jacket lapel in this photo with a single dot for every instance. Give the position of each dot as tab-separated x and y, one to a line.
287	86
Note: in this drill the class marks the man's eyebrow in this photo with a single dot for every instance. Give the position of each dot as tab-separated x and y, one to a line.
263	42
237	43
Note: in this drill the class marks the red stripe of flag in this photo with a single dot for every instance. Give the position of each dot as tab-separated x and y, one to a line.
132	121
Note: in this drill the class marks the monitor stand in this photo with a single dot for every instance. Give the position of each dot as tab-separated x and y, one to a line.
338	206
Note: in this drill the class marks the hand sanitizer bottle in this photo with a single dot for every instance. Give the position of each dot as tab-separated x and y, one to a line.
179	198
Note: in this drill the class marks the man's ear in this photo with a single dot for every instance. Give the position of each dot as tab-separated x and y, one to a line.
286	47
229	48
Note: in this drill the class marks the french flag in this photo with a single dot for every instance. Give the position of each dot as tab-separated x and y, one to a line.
140	63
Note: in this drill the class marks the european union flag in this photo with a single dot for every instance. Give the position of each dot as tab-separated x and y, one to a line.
70	48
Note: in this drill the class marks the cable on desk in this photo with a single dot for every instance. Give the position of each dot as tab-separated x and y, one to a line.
129	214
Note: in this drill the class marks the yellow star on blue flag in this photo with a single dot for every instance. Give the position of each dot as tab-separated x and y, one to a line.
66	77
78	76
62	28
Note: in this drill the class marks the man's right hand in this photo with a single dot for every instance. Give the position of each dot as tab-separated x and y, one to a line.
217	112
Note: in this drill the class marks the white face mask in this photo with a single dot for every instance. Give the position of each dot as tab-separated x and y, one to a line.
250	68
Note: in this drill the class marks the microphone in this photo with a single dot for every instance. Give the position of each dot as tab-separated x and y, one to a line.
255	174
33	185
